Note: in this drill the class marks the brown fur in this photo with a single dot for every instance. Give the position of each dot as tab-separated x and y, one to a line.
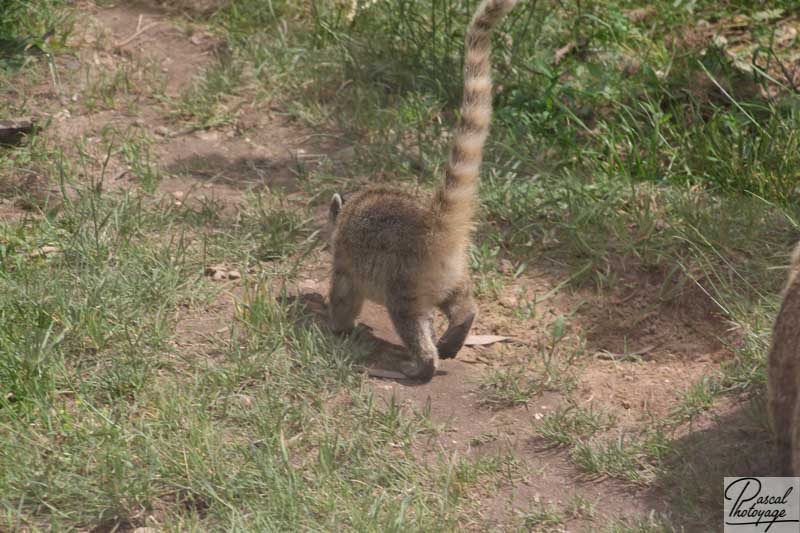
412	257
784	373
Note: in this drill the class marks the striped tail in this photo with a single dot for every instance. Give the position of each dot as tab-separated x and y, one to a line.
455	201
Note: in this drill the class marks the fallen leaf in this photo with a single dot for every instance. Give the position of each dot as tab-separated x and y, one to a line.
44	251
385	374
308	285
484	340
47	250
563	51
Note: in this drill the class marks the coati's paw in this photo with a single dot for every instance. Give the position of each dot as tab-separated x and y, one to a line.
422	370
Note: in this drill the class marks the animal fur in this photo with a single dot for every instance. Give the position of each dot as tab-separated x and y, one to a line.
412	256
784	373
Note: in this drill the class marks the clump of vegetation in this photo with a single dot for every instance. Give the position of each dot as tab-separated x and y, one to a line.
31	28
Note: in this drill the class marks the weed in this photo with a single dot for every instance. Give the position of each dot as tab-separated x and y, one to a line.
567	426
542	518
549	368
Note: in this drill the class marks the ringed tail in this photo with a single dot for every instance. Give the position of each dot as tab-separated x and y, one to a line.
455	201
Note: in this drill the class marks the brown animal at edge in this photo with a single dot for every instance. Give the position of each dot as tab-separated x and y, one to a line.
783	376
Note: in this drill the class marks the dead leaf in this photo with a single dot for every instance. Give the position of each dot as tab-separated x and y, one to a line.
605	355
385	374
563	51
47	250
484	340
246	401
308	285
44	251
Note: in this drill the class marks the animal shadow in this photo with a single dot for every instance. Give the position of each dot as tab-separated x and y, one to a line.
737	443
384	357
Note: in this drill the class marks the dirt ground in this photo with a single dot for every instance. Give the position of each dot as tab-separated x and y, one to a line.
640	354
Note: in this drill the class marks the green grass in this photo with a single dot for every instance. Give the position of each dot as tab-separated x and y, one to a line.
99	406
568	425
29	29
550	367
633	153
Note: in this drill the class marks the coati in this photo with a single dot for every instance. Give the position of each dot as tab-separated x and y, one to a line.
411	256
783	374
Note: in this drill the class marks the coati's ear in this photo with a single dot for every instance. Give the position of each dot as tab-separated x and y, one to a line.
336	205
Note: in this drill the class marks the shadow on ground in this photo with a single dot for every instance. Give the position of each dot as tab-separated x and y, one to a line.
385	354
737	443
251	173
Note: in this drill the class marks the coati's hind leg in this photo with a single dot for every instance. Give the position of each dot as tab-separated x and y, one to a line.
460	310
416	332
345	302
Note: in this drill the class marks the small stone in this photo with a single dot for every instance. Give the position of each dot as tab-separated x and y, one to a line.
234	274
509	302
219	275
161	131
213	269
308	285
505	267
